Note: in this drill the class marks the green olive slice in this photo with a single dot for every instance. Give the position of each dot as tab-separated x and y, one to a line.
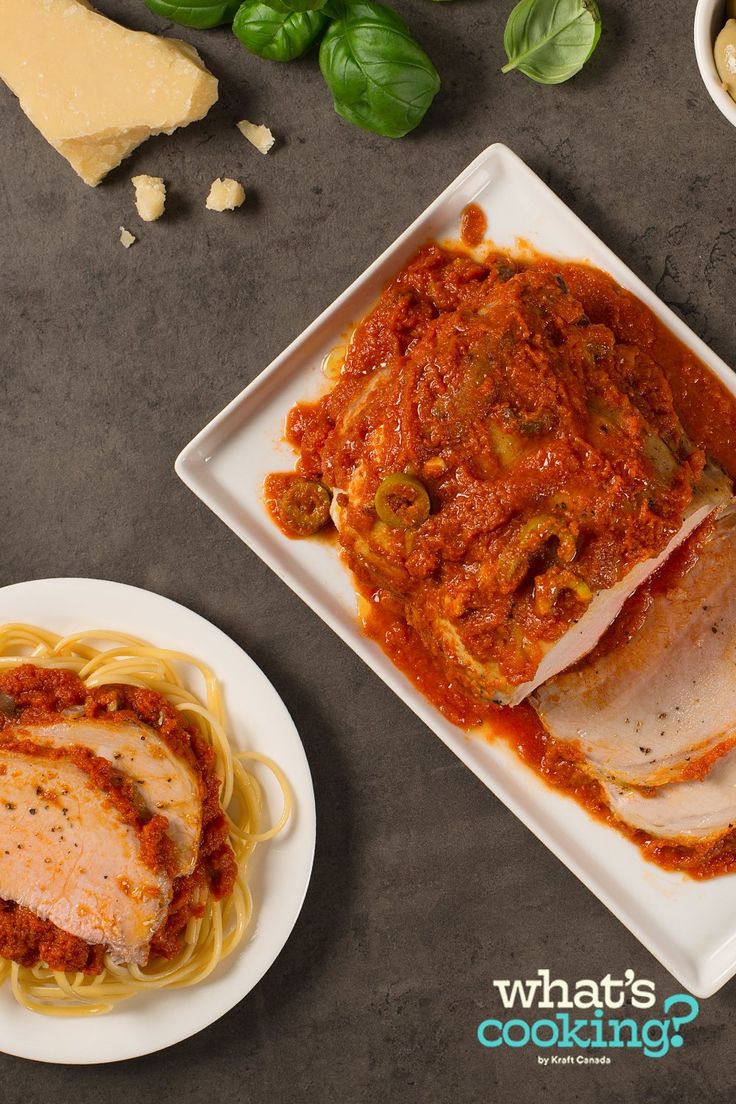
514	560
402	501
304	507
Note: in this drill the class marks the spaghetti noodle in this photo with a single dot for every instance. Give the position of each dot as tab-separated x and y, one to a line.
100	658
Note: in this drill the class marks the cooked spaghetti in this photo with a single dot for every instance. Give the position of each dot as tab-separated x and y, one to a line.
51	684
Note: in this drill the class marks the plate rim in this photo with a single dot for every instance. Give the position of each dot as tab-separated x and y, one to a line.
307	820
191	466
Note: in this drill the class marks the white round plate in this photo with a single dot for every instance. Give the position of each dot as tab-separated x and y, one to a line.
278	874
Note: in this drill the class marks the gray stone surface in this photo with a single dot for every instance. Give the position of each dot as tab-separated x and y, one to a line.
425	887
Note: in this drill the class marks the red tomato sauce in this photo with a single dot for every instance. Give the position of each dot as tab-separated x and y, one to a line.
42	695
435	311
473	226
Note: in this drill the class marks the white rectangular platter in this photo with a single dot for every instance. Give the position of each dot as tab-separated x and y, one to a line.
689	926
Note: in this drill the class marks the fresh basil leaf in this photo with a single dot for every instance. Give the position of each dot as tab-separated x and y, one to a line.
297	5
277	35
196	13
551	40
379	77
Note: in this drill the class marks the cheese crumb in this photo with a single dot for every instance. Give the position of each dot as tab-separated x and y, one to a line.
126	238
150	197
225	195
258	136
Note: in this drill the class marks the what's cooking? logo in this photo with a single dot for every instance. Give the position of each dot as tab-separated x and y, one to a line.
567	1031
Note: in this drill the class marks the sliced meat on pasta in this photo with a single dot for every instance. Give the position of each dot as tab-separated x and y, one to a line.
76	853
166	782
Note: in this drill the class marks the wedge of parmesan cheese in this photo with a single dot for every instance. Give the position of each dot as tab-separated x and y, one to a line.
258	136
94	89
225	195
150	197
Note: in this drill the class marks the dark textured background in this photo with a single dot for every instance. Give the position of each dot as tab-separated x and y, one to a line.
425	888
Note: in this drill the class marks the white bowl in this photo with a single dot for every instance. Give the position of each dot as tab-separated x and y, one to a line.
710	16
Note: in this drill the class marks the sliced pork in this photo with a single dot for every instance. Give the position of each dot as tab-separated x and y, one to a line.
167	784
698	810
710	498
662	707
75	854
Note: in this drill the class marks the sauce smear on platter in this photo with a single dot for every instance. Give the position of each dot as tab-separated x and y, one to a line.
473	226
